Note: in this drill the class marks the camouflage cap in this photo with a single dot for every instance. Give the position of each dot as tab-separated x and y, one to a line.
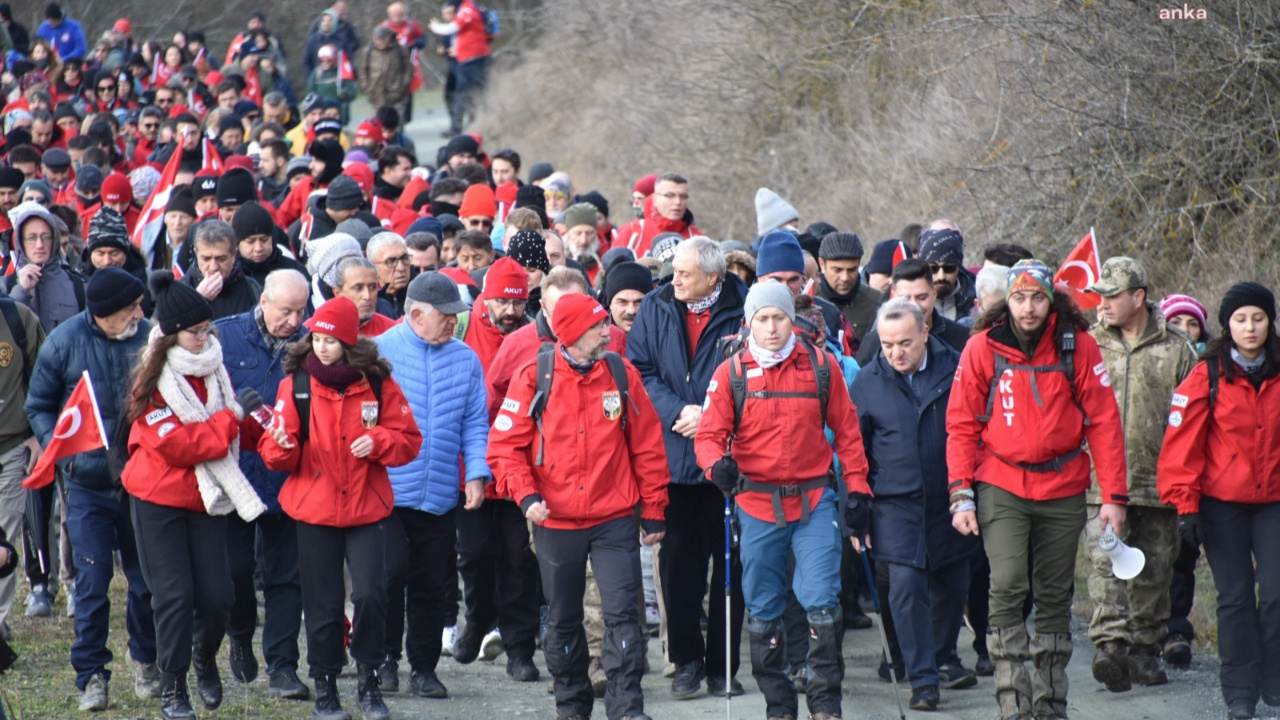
1120	274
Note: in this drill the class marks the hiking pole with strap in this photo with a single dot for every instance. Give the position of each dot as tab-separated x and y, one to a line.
728	602
884	639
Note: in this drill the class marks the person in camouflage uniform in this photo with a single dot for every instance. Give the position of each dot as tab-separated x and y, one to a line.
1146	359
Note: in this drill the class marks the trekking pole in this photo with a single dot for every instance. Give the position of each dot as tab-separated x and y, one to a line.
728	603
884	639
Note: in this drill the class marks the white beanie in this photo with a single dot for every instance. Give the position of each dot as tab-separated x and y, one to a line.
324	253
772	212
769	293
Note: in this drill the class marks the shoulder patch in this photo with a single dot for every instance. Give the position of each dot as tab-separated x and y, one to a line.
755	372
1106	379
1179	400
503	423
166	428
280	405
1175	419
711	386
1100	368
156	416
511	406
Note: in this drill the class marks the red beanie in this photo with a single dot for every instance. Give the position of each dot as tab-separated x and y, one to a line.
644	185
371	130
338	318
116	189
506	279
238	161
575	314
478	202
361	174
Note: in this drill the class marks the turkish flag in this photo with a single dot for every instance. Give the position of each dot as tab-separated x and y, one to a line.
346	71
416	81
900	253
1080	270
154	207
212	159
79	429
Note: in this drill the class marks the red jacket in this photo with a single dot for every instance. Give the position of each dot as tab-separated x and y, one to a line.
521	347
327	485
1233	456
482	335
163	452
472	41
377	325
1034	420
592	470
295	203
392	216
771	431
639	233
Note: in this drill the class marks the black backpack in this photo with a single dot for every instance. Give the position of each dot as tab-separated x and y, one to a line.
302	400
1066	365
542	389
18	329
738	383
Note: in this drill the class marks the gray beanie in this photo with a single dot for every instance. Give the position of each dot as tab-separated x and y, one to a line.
769	293
772	212
324	253
841	246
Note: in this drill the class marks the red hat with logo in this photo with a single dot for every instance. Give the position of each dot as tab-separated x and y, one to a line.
478	202
116	189
361	173
576	314
371	130
337	318
506	279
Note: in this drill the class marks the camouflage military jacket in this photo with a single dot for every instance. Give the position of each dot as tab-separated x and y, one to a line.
1144	377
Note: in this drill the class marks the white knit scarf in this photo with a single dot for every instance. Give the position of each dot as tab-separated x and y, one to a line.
222	486
768	358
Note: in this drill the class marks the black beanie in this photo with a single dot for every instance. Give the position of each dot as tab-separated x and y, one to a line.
1246	294
344	194
627	276
841	246
181	200
11	177
111	290
107	229
531	196
461	144
595	198
235	187
529	248
252	219
177	305
330	153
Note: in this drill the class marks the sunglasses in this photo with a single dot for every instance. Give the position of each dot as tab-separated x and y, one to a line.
107	88
150	126
948	268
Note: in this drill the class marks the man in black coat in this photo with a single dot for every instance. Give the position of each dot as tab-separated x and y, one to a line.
926	559
218	274
911	279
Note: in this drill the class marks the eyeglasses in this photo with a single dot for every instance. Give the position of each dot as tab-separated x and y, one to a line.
504	303
473	223
391	262
164	100
202	332
149	126
673	196
44	238
107	88
948	268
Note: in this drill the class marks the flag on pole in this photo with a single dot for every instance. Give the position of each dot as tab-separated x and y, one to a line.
900	253
417	81
346	71
154	207
79	429
212	159
155	68
1080	270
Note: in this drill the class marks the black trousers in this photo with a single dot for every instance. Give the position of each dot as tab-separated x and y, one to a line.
422	566
282	586
1240	540
1182	591
695	536
614	550
499	573
183	555
321	552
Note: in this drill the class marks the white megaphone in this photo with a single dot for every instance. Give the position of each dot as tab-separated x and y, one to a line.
1126	562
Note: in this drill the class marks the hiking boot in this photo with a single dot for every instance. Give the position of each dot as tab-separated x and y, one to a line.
328	706
1177	651
447	639
175	701
94	696
823	715
286	685
146	679
924	698
208	681
369	694
599	679
984	667
1241	710
427	685
715	686
244	666
883	672
857	620
389	674
466	648
491	646
1111	666
522	669
688	680
1144	666
954	676
40	602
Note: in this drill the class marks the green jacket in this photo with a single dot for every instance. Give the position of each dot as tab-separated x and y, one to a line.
1144	378
14	427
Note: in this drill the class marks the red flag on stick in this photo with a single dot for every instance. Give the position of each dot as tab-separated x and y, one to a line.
900	253
154	207
1080	270
212	159
79	429
416	81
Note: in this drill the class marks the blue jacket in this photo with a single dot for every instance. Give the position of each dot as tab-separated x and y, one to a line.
250	363
67	39
658	345
910	515
73	347
445	387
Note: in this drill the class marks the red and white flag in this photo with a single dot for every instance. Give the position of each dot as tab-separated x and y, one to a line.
212	159
79	429
1080	270
346	71
154	208
900	253
416	81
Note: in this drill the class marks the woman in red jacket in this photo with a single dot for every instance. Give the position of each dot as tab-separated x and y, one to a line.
184	476
337	453
1220	467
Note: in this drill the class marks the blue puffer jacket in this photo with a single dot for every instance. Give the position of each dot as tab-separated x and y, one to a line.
71	348
445	387
658	345
910	515
250	363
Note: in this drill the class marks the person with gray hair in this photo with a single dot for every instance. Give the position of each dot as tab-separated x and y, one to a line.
673	343
254	346
357	279
988	289
925	559
389	254
218	273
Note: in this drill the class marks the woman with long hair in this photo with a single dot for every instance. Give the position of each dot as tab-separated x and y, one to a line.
184	477
336	434
1220	468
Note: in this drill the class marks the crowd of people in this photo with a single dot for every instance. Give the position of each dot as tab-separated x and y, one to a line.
448	407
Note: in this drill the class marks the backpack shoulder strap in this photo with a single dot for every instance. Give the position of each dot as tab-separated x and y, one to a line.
302	401
542	390
375	384
618	369
822	373
77	286
1001	364
738	388
1214	366
1066	360
18	329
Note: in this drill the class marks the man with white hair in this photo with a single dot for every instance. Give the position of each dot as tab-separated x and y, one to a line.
389	254
988	290
254	346
323	255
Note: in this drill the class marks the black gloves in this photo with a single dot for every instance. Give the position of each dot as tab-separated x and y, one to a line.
1189	528
249	400
725	475
857	514
651	527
